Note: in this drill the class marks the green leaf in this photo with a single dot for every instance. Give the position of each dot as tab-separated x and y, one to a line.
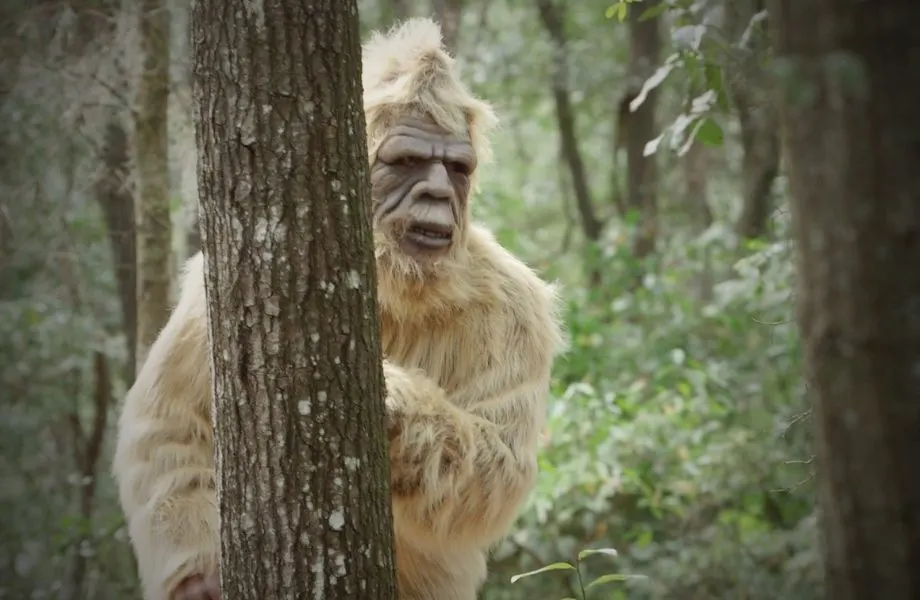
710	133
559	566
618	10
611	578
591	551
653	11
715	80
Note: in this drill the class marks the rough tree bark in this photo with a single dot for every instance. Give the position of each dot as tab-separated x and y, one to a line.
748	85
851	133
639	125
292	301
151	148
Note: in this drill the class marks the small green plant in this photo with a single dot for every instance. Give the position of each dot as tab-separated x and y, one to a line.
582	588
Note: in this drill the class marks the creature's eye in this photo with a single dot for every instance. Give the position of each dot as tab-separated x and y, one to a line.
460	168
408	162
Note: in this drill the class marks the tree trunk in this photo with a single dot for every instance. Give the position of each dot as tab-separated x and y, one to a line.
117	205
756	114
448	13
853	142
292	301
154	227
192	236
695	165
642	171
394	11
592	227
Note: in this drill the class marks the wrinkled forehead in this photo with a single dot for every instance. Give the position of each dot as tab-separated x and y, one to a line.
424	127
425	140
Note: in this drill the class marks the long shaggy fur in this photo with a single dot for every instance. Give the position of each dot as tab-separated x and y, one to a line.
468	348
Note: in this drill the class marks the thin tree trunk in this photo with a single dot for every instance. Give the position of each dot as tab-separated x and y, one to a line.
395	10
642	171
192	236
154	227
292	301
695	165
591	225
117	205
853	141
88	446
448	13
756	115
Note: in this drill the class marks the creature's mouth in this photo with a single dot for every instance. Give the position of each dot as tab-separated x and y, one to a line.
430	235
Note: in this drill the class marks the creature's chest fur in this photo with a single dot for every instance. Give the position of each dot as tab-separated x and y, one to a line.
448	351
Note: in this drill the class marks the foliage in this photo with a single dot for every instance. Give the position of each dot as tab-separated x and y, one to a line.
704	52
677	436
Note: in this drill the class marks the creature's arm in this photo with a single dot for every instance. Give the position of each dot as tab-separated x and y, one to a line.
462	465
163	458
460	475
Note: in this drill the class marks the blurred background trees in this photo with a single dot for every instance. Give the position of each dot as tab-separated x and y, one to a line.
639	164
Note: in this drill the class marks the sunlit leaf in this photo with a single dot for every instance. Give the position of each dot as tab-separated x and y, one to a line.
592	551
688	37
612	577
559	566
660	74
651	147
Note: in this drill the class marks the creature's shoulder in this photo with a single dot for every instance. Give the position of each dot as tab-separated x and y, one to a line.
517	290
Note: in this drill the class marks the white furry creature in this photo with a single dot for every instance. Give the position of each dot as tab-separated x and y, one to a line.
469	335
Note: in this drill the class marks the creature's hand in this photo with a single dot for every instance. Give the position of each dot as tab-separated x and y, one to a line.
395	417
198	587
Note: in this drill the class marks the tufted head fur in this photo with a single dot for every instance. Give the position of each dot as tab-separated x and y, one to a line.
407	71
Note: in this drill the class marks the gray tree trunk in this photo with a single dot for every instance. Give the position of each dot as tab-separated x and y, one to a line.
853	143
292	302
151	148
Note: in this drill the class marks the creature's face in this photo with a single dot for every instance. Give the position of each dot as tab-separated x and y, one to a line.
420	184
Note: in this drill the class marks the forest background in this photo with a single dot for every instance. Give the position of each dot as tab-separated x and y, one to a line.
678	429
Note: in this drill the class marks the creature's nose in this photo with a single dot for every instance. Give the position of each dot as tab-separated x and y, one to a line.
438	186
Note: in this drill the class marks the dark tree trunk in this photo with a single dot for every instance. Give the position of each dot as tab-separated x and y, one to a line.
695	165
292	302
448	14
853	142
193	237
552	18
394	11
757	116
642	171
